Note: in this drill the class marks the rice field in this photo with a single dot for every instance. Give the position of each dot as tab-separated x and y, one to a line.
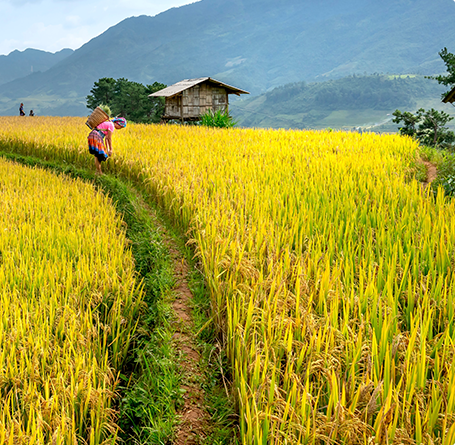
329	269
69	302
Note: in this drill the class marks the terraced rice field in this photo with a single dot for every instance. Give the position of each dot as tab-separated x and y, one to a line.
69	299
329	269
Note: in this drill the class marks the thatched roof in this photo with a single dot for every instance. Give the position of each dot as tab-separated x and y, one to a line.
189	83
450	96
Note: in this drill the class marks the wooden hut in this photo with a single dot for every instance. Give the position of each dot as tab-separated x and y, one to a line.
449	97
188	99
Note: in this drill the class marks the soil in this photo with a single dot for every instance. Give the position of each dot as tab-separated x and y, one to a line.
431	173
194	418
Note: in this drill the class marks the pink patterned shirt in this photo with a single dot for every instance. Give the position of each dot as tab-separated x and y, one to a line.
106	126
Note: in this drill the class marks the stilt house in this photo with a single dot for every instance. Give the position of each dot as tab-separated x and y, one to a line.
188	99
449	97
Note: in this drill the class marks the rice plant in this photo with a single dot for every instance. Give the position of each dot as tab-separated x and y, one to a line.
329	271
69	302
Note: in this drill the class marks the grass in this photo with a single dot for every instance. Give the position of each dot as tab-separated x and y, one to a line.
150	394
217	379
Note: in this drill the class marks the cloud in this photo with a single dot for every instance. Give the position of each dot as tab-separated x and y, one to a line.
51	25
74	20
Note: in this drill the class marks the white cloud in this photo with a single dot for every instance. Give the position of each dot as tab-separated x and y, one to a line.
74	20
52	25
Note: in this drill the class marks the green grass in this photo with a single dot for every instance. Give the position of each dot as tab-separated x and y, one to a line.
150	389
217	379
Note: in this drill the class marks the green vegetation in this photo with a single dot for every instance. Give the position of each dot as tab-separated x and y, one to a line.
449	78
217	119
428	126
446	175
353	101
127	99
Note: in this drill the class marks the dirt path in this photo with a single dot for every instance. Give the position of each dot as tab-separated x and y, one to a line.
194	418
431	173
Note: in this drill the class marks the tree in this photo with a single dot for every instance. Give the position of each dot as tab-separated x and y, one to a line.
428	126
128	99
432	128
449	78
157	103
101	93
409	122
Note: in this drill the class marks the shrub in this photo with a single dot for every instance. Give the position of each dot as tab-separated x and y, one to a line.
446	175
217	119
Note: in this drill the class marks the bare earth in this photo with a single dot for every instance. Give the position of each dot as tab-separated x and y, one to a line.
194	418
431	173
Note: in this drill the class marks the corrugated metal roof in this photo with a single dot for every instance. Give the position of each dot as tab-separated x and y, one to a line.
450	97
188	83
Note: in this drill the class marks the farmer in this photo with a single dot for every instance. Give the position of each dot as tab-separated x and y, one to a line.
21	110
100	140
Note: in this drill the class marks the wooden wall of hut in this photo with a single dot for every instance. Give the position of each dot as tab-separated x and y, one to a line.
195	101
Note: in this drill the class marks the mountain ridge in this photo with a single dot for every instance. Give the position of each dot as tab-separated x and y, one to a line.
18	64
254	45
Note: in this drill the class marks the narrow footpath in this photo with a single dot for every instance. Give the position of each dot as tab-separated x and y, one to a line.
194	418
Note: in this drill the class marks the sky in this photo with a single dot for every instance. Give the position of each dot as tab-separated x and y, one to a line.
51	25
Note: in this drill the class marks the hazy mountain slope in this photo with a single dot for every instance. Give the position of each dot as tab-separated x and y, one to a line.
353	101
253	44
19	64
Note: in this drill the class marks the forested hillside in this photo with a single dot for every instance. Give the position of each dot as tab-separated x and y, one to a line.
349	101
255	45
20	64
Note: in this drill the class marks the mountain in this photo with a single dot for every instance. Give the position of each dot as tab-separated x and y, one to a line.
353	101
255	45
19	64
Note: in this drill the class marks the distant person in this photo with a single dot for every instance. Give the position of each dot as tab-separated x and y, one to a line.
96	137
21	110
31	113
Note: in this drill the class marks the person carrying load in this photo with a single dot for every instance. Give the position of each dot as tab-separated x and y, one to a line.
100	140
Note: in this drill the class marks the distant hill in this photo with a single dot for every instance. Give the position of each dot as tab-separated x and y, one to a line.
20	64
353	101
252	44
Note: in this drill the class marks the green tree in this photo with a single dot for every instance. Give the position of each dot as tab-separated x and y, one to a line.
432	129
128	99
427	126
449	78
156	103
101	93
409	122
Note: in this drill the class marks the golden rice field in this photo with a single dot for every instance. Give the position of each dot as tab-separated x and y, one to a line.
69	300
330	271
